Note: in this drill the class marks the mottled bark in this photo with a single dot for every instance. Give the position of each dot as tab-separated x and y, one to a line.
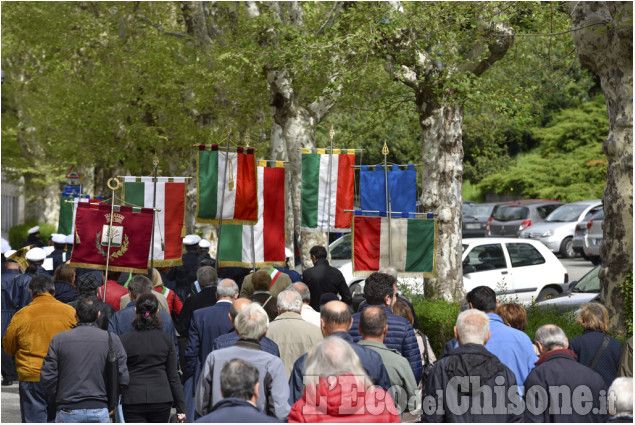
603	35
442	174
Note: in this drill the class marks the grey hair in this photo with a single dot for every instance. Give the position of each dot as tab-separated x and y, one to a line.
289	300
227	288
206	276
472	326
301	289
551	336
331	357
251	322
238	379
620	397
139	285
390	270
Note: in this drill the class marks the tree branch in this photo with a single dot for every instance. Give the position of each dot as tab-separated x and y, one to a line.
161	29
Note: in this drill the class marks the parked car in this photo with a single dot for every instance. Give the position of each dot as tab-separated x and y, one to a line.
581	231
585	290
521	269
510	218
593	237
556	232
475	220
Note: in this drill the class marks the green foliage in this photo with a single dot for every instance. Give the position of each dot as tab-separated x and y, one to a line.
436	321
18	234
537	317
569	163
472	192
626	289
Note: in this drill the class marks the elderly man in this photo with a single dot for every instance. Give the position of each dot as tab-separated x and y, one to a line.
373	326
273	393
74	368
307	313
324	278
466	385
230	338
336	320
620	400
279	282
381	290
553	386
290	331
28	337
261	281
239	384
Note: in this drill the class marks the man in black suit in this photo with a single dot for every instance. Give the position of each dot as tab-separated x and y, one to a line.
323	278
185	274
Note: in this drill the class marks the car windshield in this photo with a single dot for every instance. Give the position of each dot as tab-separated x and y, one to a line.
589	282
480	210
343	250
566	213
511	213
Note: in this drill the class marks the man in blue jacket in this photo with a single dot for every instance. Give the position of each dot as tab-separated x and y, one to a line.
239	383
381	290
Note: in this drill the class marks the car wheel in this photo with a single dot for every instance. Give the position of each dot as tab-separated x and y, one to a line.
356	289
595	260
547	293
566	248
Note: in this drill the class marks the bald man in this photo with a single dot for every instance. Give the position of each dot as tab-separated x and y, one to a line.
336	319
230	338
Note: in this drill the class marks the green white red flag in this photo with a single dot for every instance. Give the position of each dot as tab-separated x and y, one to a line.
328	186
413	245
230	177
129	236
236	248
169	223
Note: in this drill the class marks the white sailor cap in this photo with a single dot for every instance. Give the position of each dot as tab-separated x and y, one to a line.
5	245
36	254
69	239
33	230
9	253
190	240
58	238
204	243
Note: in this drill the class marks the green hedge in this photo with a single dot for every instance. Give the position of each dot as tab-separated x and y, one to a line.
18	234
437	318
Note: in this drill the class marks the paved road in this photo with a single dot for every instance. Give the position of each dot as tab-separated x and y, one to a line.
10	412
576	267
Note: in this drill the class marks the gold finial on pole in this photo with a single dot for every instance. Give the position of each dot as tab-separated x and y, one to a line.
384	150
229	131
155	159
331	131
247	140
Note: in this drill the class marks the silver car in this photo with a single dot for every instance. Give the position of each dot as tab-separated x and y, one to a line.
585	290
593	237
557	231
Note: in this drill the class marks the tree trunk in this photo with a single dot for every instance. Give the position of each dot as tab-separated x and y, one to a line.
603	35
442	177
297	126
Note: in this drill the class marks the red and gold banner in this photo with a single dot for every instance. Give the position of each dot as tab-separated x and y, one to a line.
130	236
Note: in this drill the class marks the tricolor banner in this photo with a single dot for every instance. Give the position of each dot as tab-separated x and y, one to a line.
327	192
230	178
169	223
413	245
68	208
129	236
236	248
402	189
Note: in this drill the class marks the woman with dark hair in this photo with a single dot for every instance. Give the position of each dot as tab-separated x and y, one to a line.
64	280
594	348
154	381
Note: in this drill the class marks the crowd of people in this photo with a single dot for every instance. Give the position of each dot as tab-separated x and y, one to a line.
235	345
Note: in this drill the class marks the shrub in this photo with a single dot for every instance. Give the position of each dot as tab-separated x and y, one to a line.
627	290
436	320
18	234
537	317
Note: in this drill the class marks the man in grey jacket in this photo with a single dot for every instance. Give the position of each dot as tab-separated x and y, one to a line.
73	369
273	394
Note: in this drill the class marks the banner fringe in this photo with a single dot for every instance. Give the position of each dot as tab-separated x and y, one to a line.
110	268
251	265
333	230
226	221
167	263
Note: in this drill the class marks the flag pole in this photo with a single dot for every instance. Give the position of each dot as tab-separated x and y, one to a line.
385	152
115	185
328	216
155	161
222	199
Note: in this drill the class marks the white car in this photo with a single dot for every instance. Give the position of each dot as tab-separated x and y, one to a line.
517	269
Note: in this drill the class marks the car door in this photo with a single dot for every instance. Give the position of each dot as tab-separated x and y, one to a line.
528	272
490	267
